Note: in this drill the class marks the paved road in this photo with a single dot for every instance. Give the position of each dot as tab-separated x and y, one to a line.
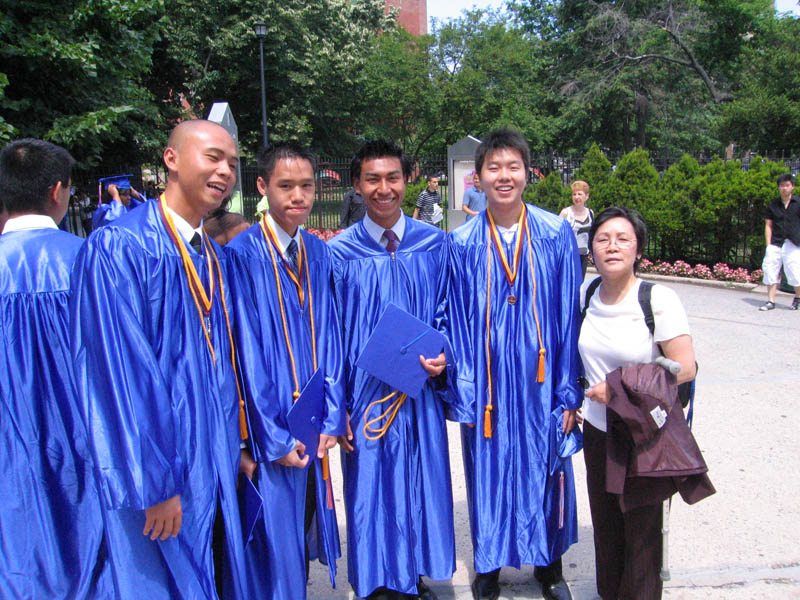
743	542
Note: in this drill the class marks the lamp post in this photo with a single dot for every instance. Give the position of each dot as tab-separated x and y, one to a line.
261	33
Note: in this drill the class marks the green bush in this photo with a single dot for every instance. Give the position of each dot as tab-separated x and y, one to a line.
634	184
595	170
412	193
549	194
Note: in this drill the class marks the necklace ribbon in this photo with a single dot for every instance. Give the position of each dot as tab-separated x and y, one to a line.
272	238
510	277
204	301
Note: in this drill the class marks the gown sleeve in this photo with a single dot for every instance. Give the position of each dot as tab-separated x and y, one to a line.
125	401
329	336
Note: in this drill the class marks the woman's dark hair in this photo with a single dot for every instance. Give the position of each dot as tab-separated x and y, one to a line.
636	221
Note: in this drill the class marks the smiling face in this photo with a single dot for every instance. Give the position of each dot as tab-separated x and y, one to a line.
202	160
614	249
290	190
382	186
503	179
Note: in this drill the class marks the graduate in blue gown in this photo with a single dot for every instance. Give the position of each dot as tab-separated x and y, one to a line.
281	277
51	528
398	495
123	199
152	337
514	281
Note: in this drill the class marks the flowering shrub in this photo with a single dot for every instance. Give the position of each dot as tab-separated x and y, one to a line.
720	271
323	234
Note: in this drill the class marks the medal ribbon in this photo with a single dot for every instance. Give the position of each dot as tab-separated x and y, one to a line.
302	262
202	301
510	277
273	239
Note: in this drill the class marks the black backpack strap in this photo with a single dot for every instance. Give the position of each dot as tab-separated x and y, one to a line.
590	290
645	292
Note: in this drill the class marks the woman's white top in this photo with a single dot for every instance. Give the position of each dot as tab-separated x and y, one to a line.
616	335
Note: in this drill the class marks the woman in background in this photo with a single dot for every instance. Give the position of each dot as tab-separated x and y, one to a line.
580	219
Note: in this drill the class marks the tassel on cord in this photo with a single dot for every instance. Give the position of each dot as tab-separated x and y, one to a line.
242	421
540	372
326	476
487	421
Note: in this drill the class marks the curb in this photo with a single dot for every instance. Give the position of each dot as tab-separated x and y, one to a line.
731	285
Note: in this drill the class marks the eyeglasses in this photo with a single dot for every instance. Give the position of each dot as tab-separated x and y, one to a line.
620	242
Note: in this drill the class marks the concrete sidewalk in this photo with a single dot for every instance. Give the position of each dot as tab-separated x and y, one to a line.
741	543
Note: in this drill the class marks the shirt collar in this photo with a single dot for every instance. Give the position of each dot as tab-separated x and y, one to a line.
283	237
185	230
23	222
508	233
375	231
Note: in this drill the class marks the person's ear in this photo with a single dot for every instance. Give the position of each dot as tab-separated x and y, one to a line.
261	185
171	159
357	185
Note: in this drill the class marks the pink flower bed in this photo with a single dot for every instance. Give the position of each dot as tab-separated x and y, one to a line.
720	271
323	234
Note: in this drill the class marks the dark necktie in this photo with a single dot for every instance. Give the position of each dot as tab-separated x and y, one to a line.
197	243
291	255
391	239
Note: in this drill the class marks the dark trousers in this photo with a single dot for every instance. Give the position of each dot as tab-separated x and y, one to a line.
311	508
627	546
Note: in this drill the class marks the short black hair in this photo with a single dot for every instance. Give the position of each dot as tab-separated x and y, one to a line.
500	139
29	168
379	148
636	221
269	157
785	177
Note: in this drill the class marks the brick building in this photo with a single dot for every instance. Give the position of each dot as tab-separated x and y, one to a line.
413	15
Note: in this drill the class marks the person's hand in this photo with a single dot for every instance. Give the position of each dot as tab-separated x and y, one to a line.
434	366
599	393
579	417
293	459
346	441
326	442
569	420
246	464
163	520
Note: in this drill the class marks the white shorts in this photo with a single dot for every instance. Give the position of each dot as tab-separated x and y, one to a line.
787	256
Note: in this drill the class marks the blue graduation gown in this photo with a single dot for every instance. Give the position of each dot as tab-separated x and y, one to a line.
111	211
51	528
514	501
276	556
398	494
162	416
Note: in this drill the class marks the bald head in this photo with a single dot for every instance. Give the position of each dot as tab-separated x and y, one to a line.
187	129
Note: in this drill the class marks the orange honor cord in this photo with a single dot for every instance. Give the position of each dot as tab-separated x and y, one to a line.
302	261
375	433
202	300
242	415
523	230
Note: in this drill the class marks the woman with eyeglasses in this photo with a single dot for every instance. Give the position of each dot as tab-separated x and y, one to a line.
628	546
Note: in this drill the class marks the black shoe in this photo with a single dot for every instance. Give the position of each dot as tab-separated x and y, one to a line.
424	592
486	586
795	304
382	593
556	591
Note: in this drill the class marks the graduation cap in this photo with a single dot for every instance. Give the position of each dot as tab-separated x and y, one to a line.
123	182
306	414
393	350
250	506
562	445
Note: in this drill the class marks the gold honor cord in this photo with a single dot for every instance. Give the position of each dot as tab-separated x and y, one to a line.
390	413
510	277
302	261
202	301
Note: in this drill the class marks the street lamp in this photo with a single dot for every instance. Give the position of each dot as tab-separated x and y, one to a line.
261	33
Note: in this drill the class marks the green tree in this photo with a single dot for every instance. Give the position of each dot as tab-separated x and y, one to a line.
549	193
75	73
595	170
633	184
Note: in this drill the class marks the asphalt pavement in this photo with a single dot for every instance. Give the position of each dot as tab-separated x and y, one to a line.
741	543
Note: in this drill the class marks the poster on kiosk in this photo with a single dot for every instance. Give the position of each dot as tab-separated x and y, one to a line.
461	167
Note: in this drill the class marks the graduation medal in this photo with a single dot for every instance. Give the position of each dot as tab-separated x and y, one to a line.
297	279
203	300
494	241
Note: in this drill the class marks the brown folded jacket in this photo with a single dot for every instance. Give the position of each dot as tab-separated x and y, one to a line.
645	463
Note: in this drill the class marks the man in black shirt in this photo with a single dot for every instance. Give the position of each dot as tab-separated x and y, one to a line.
353	208
428	198
782	234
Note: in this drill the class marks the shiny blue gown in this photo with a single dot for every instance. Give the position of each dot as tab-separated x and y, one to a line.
520	513
162	416
276	556
51	528
398	494
111	211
